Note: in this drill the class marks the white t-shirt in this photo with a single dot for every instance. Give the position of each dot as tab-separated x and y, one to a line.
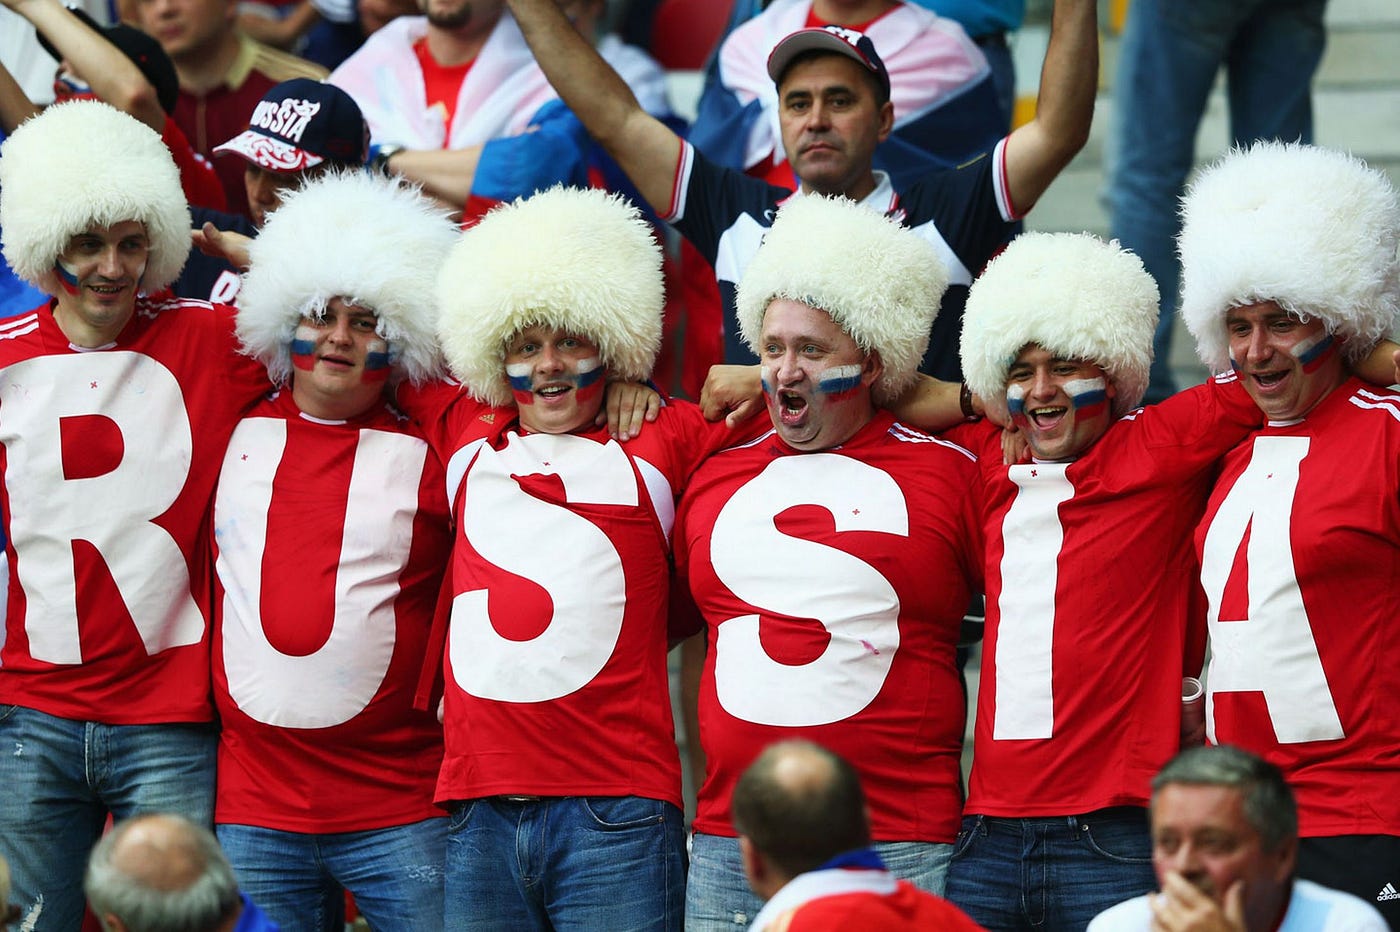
1312	908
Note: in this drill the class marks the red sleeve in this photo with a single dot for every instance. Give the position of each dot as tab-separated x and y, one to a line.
197	176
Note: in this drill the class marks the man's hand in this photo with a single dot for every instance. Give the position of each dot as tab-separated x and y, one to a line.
1014	448
223	244
1184	907
626	407
734	393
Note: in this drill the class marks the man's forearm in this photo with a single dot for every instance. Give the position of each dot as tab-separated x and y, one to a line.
446	174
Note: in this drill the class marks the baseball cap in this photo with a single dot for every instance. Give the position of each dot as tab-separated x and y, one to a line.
854	45
300	124
142	49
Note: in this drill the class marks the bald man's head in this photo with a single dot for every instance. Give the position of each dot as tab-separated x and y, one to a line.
800	805
154	873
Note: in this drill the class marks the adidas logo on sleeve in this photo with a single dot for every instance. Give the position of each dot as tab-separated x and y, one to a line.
1388	892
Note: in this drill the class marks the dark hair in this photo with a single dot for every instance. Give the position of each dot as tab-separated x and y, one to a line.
882	93
800	805
1269	807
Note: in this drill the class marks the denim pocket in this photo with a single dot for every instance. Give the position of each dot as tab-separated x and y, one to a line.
618	813
6	711
967	835
458	815
1122	841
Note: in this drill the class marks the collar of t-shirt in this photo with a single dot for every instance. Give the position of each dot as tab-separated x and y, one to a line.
442	84
882	199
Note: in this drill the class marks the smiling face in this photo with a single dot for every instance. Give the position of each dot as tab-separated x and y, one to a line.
1201	832
1286	365
341	362
816	380
1061	405
831	124
99	274
557	378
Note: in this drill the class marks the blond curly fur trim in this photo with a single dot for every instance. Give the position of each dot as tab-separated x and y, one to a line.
1073	295
579	259
81	165
879	281
1313	230
376	242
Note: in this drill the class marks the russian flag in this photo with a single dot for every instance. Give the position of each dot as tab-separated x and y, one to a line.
1089	397
1313	352
839	382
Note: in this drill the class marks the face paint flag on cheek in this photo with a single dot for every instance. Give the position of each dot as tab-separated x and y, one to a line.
67	276
376	361
304	348
522	384
1313	352
1016	401
839	383
589	380
1089	397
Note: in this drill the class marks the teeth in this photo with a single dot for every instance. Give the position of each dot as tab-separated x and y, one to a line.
1047	412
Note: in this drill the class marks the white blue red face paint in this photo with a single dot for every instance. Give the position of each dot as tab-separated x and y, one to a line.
839	382
304	347
1088	396
67	276
377	361
1016	400
587	380
1313	352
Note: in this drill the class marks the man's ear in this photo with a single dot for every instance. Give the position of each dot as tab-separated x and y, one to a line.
886	120
754	868
871	369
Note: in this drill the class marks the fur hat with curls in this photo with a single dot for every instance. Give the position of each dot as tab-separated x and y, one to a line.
879	281
579	259
1313	230
1072	294
375	242
83	164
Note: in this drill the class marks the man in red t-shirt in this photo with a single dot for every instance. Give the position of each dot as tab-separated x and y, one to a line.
804	835
832	559
560	769
1091	620
115	409
331	537
1290	275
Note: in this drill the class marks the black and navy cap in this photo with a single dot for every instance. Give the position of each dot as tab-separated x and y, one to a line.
300	124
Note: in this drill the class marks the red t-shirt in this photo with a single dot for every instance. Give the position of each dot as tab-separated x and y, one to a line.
331	540
833	585
442	84
109	458
1092	611
1300	556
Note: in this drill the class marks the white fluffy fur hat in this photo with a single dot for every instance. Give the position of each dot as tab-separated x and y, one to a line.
879	281
83	164
1314	230
376	242
580	259
1074	295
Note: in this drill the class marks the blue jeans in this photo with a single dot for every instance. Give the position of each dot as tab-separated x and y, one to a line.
1050	873
60	778
395	874
571	862
1167	62
718	898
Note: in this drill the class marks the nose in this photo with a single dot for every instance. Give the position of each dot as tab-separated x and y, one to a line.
786	369
1042	385
108	265
817	115
340	330
1258	348
549	360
